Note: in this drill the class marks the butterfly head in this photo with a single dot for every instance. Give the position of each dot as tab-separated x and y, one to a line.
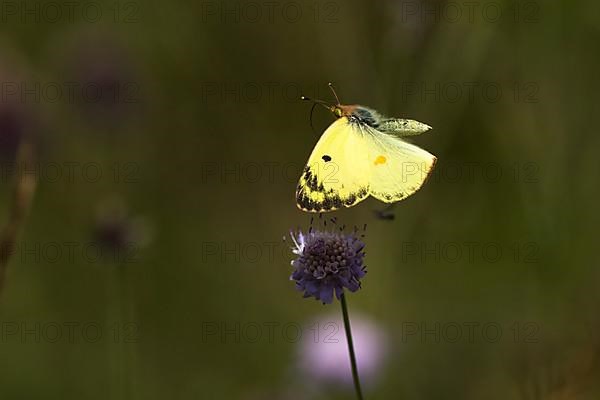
354	113
343	111
337	109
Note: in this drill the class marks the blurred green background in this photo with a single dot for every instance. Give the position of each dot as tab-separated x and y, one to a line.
185	155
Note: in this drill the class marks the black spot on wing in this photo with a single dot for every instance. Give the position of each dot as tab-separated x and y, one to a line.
326	158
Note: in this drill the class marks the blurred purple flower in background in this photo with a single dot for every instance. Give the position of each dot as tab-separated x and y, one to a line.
12	126
117	230
105	79
327	262
16	117
323	352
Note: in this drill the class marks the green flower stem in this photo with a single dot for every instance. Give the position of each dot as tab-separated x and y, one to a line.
351	348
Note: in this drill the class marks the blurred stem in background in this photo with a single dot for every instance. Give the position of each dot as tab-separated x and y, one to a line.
24	190
119	316
119	233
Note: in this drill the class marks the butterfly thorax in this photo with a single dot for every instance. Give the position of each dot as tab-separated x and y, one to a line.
358	114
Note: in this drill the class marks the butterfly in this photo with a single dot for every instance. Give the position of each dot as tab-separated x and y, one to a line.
362	154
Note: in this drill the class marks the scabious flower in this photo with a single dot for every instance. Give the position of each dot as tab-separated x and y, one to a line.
327	262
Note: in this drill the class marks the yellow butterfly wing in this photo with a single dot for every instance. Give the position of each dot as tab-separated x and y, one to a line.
336	174
398	169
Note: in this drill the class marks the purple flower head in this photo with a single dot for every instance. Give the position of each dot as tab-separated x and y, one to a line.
327	262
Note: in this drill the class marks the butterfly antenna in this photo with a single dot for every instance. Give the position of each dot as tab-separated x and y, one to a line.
321	102
324	104
312	127
334	93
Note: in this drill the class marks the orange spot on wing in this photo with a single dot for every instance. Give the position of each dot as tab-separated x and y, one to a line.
380	160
